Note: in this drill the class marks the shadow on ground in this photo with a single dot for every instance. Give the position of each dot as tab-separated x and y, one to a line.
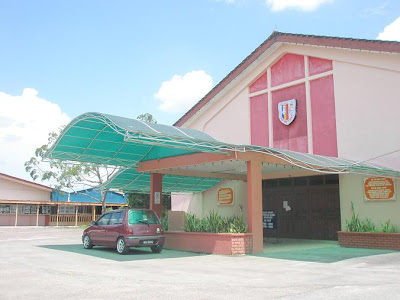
314	251
111	253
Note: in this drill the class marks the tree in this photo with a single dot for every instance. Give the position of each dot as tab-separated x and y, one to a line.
137	200
63	175
70	175
146	118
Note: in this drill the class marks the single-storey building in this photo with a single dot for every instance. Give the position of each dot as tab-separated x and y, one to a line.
299	130
25	203
330	96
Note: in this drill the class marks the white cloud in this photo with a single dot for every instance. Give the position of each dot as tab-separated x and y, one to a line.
304	5
391	32
181	92
25	122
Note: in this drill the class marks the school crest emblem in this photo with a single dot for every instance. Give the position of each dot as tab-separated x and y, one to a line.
287	111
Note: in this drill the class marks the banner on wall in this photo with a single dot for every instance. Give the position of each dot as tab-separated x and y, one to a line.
379	188
225	196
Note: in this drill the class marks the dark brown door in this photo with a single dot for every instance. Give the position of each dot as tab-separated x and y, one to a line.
313	210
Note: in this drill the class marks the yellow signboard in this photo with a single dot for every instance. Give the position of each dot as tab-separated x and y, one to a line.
379	188
225	196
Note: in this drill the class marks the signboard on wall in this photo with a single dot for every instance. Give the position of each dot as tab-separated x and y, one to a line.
225	196
269	219
157	197
379	188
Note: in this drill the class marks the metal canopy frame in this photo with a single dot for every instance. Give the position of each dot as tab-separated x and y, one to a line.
127	143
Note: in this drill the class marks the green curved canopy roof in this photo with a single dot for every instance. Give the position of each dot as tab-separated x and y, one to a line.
131	180
111	140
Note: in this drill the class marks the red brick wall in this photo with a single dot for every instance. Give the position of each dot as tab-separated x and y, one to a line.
216	243
242	245
369	240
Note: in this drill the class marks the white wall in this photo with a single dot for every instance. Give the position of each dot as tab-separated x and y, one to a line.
201	204
10	190
351	190
188	202
228	120
367	112
366	97
210	200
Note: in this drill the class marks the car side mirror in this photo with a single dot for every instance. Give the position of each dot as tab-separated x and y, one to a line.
94	223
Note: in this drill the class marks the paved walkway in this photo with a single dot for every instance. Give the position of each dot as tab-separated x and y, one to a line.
48	263
134	254
314	250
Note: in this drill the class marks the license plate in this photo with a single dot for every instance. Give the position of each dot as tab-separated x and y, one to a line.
150	242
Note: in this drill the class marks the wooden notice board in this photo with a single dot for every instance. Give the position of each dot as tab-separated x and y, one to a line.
225	196
379	188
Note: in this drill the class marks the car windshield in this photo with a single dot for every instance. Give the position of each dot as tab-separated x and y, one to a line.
142	217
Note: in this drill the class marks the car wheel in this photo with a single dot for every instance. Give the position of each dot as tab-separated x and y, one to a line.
121	246
87	242
157	248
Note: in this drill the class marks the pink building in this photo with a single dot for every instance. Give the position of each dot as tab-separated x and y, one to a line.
312	94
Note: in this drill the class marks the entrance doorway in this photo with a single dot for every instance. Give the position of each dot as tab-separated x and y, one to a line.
306	207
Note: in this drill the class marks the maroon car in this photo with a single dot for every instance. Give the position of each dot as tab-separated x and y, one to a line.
124	229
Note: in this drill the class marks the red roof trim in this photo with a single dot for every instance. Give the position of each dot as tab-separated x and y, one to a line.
25	182
337	42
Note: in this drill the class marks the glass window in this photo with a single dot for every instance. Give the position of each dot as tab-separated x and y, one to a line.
285	182
28	210
23	209
316	180
4	209
332	179
116	218
142	217
104	220
300	181
66	209
46	210
270	183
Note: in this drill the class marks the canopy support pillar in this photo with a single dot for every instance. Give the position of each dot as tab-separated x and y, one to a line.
37	215
254	204
16	215
156	202
93	213
58	211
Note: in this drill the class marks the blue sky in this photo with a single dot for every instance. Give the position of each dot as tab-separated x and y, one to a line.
114	56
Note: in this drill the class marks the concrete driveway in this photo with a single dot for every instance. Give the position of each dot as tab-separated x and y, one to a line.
49	263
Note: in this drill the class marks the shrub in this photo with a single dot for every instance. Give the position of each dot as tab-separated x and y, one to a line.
388	227
215	223
164	220
366	225
354	224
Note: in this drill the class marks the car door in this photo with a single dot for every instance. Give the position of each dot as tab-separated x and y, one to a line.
98	232
114	227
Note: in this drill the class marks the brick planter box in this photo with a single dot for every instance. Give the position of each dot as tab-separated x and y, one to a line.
215	243
373	240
